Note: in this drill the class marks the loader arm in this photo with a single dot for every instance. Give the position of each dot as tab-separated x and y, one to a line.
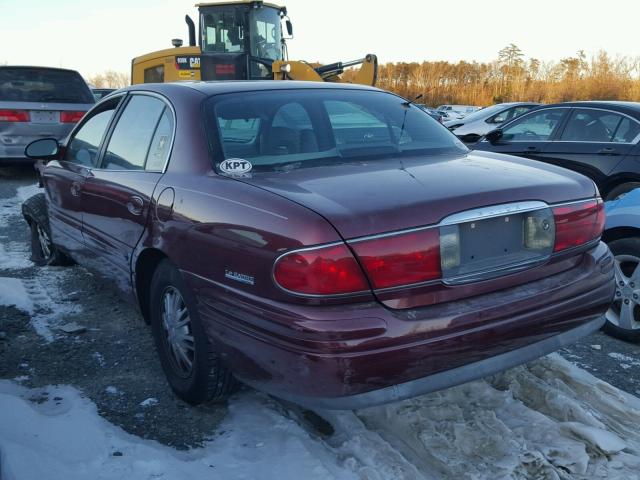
300	70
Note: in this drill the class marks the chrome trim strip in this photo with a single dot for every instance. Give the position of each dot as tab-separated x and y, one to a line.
484	213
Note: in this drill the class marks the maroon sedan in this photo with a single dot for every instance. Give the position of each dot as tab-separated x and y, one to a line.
329	244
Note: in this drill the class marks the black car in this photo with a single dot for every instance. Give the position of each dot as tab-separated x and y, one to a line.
597	139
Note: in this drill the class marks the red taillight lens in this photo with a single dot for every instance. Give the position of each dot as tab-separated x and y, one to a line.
323	271
71	117
14	116
401	259
578	224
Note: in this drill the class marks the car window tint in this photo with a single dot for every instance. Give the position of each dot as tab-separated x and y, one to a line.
355	124
315	127
131	138
161	142
535	127
35	84
627	131
521	110
591	126
85	145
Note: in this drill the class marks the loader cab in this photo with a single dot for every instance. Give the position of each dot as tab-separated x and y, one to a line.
240	40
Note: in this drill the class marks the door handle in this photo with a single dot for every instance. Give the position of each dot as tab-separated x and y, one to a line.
75	189
607	151
135	205
533	149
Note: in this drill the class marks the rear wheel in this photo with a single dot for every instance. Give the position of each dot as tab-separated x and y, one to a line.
623	318
621	190
43	251
193	369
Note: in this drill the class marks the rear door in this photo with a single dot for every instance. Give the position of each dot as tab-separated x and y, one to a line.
116	196
63	179
593	142
529	135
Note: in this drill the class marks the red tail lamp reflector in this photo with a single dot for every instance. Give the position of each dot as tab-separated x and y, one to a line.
329	270
71	117
578	223
401	259
14	116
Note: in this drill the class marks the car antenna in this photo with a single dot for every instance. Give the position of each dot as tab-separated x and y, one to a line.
409	102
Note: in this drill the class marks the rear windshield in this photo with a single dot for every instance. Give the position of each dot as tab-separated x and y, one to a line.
297	128
43	85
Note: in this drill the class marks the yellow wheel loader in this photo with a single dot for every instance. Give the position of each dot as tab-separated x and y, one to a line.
241	40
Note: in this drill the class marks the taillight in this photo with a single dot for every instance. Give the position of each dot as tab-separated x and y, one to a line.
578	223
328	270
14	116
71	117
401	259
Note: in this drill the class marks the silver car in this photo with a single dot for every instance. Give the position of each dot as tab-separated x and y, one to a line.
474	126
38	102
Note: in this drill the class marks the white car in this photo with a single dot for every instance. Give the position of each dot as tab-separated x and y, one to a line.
474	126
457	112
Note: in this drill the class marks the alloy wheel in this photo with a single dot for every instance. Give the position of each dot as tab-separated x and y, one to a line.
625	311
178	332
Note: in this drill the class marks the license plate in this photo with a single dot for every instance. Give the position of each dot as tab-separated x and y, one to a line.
45	116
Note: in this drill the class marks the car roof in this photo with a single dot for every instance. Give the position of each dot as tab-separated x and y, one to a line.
632	108
238	86
39	68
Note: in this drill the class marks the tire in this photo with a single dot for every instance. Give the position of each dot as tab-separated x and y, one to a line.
627	300
620	190
43	251
206	378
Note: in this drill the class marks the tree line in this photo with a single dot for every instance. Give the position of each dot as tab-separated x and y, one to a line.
511	77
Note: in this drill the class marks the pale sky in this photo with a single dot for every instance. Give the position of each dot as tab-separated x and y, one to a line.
93	36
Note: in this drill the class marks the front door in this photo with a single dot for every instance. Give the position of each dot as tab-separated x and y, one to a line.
64	179
117	196
529	135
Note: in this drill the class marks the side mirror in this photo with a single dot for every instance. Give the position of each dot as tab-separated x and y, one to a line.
43	149
289	28
494	136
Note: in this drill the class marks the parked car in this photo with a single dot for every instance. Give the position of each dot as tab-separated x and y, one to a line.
328	244
623	236
477	124
432	112
99	93
37	102
597	139
457	112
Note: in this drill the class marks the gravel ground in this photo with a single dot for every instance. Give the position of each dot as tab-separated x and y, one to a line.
114	361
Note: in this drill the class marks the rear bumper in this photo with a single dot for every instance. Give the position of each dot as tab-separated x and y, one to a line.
450	378
341	357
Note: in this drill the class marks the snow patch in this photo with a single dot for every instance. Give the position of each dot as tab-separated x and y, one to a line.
14	293
149	402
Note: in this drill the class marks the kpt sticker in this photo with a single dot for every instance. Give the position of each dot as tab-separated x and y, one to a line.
236	166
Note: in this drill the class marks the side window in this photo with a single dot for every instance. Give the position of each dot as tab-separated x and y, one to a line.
586	125
502	116
154	74
85	145
536	127
131	139
161	142
627	131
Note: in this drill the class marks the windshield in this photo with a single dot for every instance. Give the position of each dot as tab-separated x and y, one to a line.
43	85
266	33
223	30
297	128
